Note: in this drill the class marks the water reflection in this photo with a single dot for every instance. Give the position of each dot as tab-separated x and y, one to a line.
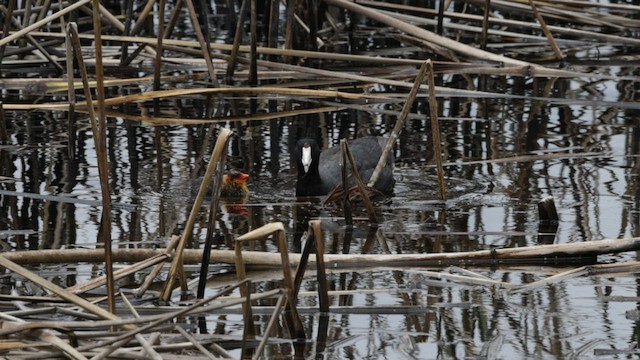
586	157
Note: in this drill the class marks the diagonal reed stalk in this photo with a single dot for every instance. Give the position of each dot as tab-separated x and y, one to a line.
177	263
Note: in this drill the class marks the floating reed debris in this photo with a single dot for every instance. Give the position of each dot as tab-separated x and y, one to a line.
553	253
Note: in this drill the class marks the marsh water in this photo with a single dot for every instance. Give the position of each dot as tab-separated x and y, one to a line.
577	140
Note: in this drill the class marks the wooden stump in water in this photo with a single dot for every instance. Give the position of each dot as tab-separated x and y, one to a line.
548	225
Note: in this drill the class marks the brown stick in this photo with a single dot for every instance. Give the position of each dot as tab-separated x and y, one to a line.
103	161
547	32
435	130
397	128
176	265
192	256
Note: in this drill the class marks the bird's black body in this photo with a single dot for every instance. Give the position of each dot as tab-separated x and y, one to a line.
324	173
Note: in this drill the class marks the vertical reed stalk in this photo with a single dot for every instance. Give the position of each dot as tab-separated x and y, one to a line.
103	164
485	25
440	26
346	203
435	129
71	94
321	273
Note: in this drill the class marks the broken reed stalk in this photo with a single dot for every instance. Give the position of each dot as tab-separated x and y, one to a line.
546	31
579	271
221	144
435	130
314	237
63	293
136	331
277	229
360	186
103	162
119	274
309	243
321	272
177	263
397	128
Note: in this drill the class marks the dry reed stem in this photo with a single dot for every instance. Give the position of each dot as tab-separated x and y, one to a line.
397	128
204	45
371	212
103	162
427	35
569	274
193	256
158	121
73	298
43	22
276	229
315	228
547	32
222	143
156	270
119	274
181	92
272	321
435	131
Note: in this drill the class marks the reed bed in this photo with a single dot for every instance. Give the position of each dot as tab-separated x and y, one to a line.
44	52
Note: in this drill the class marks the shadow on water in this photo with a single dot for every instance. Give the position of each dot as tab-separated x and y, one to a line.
502	156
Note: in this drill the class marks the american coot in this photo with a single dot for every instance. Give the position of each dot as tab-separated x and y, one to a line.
234	185
319	171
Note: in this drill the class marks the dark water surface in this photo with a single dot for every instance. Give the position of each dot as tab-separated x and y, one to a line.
584	151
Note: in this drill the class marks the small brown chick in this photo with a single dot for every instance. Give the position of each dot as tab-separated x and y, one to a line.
234	184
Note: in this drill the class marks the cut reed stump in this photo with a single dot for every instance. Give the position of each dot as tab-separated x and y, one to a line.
548	254
548	225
